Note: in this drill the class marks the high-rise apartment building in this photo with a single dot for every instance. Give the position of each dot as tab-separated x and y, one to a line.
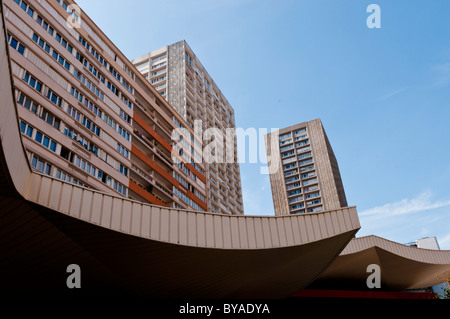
178	76
88	117
304	175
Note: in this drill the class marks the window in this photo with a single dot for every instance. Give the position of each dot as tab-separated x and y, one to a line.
282	137
305	162
25	7
38	137
310	181
287	154
29	131
286	167
299	131
122	150
94	53
304	156
30	80
54	98
16	45
40	165
312	195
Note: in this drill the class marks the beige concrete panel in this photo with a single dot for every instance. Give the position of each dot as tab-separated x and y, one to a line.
322	226
192	229
201	234
297	236
75	202
55	195
353	217
173	226
116	216
155	223
106	217
136	219
33	187
341	221
251	233
274	232
309	228
145	225
288	231
126	216
218	234
259	233
281	231
86	206
226	227
164	225
209	228
234	227
266	233
316	228
329	222
65	198
97	208
243	235
182	228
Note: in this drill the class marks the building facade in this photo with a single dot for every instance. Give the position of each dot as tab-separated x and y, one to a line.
304	174
178	76
88	117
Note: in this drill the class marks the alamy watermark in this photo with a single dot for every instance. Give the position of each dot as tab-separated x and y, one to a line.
74	279
374	19
219	146
73	21
374	279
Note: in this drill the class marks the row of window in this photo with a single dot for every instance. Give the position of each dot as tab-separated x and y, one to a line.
96	73
53	53
302	143
303	130
96	173
91	147
297	206
86	102
307	155
66	177
68	9
116	74
122	150
121	79
186	199
39	111
295	199
60	59
25	7
33	82
38	136
108	120
94	53
15	44
89	84
284	136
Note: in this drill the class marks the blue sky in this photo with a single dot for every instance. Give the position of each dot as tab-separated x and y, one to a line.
382	94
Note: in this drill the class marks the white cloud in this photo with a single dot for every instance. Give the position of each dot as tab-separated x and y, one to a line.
391	94
421	203
444	242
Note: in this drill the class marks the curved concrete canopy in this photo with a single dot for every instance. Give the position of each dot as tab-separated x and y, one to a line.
127	247
402	267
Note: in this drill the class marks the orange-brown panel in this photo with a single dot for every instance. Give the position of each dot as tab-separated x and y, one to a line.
136	151
164	143
142	192
152	132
